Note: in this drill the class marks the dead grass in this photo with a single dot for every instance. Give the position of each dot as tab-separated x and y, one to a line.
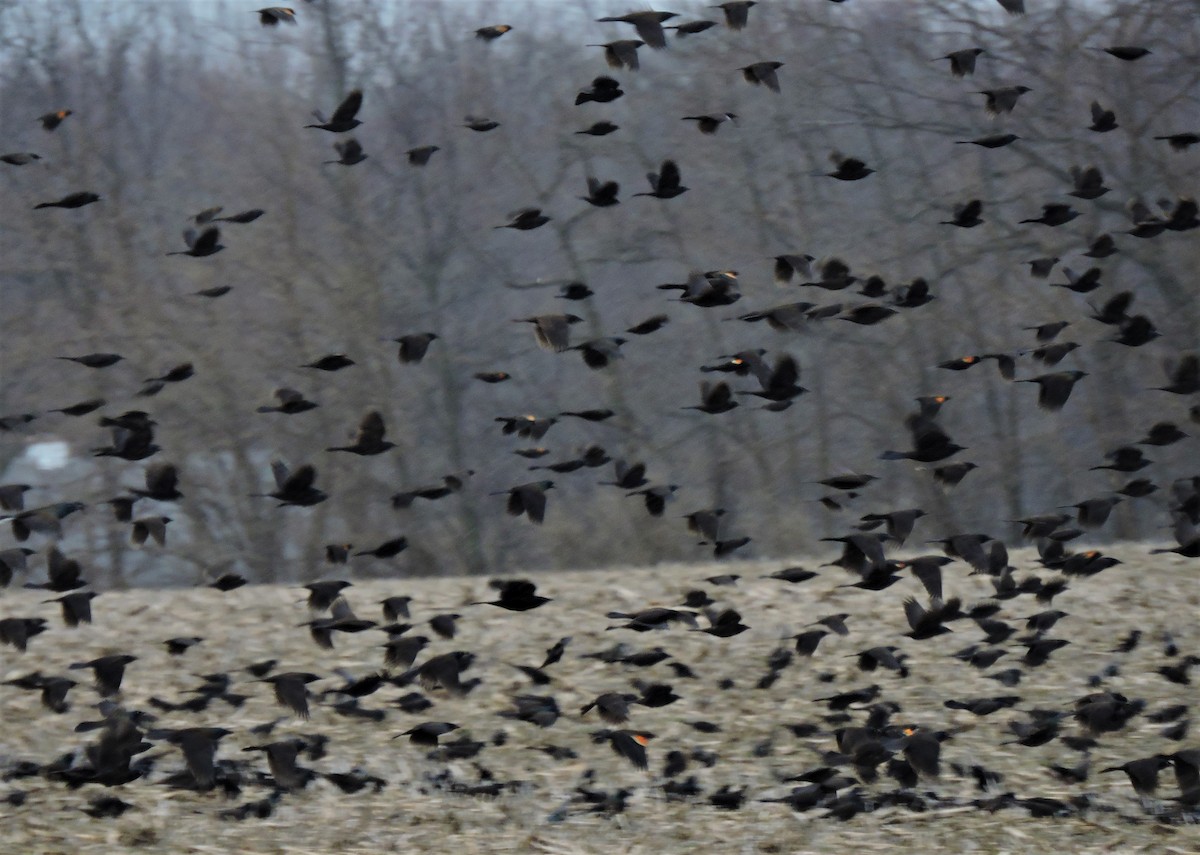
410	815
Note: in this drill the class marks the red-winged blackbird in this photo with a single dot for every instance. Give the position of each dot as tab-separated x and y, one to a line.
490	34
962	62
630	744
274	15
342	119
52	120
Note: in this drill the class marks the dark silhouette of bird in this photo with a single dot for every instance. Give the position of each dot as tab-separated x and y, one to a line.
291	690
599	129
1089	182
108	672
602	195
552	331
274	15
690	28
622	53
420	155
516	595
649	25
53	119
1128	53
848	168
714	398
990	141
763	73
295	487
711	123
71	200
350	152
1003	99
526	219
480	124
1103	120
20	158
1054	214
966	215
528	499
665	184
1181	141
493	32
291	402
737	12
330	362
962	62
200	245
342	119
603	90
370	438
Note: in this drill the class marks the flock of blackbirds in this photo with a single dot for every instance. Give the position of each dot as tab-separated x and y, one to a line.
872	752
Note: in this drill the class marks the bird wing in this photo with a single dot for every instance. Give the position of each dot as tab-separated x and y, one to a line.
348	108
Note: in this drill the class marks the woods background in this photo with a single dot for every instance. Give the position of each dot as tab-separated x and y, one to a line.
182	106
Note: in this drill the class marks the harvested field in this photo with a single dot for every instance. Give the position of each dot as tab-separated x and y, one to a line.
418	810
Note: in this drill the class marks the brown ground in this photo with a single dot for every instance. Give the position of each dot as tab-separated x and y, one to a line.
409	815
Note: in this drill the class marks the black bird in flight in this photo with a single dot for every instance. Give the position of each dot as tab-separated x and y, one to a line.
370	439
962	62
762	73
342	119
490	34
295	488
201	245
649	25
71	200
53	119
665	184
604	90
